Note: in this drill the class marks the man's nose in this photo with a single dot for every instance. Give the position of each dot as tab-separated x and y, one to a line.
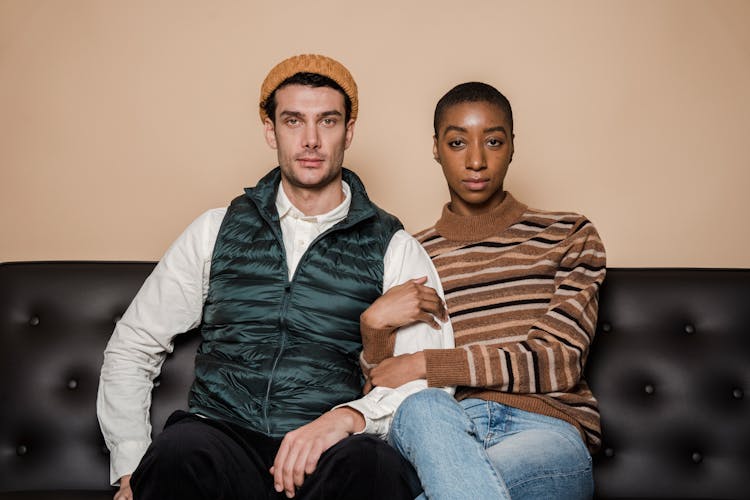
311	137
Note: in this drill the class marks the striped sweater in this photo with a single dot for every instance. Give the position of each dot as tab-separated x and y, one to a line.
521	286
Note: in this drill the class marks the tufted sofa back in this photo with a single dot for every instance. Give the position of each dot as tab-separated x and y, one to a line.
670	366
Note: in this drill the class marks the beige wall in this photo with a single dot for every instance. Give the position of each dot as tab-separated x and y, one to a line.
121	121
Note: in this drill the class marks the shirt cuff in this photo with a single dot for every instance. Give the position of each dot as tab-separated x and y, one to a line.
124	458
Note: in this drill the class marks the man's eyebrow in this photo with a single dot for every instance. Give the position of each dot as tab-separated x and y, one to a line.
300	115
295	114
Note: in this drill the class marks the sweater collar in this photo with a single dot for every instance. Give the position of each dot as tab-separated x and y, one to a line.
470	228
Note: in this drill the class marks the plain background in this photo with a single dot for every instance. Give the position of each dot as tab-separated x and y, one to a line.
121	121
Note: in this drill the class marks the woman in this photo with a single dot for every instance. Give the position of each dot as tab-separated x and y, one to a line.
521	288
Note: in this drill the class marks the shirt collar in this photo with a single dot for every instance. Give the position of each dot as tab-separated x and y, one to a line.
285	207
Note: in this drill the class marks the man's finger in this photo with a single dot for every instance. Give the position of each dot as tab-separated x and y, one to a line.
288	469
312	458
276	470
300	464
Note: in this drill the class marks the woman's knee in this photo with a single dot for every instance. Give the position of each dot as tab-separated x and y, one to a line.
425	404
423	416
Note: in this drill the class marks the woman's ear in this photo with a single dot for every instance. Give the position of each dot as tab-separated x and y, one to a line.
435	155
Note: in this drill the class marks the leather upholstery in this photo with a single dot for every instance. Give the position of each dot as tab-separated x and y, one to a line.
670	366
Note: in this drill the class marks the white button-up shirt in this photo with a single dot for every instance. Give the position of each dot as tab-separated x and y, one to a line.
170	302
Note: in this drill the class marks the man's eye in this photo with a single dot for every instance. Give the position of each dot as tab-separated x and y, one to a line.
329	121
292	121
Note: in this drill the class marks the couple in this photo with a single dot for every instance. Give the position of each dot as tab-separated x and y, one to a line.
302	285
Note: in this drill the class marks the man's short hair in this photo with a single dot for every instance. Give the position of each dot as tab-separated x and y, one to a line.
472	92
308	80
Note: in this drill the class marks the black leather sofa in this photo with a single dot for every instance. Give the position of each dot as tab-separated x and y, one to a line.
670	365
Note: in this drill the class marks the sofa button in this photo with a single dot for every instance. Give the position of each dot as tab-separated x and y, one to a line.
21	450
649	389
34	321
738	394
689	329
696	457
609	452
606	327
72	384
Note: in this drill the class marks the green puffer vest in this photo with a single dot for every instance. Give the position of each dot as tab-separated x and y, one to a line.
275	353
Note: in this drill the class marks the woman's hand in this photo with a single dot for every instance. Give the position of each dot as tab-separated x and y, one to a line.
405	304
396	371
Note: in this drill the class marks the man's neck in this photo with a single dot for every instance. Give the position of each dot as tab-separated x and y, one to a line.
312	202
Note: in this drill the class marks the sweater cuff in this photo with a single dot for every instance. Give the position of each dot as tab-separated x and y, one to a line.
378	344
446	367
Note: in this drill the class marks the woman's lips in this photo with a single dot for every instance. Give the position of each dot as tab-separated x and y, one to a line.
475	184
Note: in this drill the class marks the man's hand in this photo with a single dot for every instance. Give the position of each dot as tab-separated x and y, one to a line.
124	493
301	449
396	371
405	304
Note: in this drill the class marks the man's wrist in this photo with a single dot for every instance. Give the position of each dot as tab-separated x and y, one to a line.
353	420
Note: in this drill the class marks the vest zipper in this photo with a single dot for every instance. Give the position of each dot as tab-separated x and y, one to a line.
279	352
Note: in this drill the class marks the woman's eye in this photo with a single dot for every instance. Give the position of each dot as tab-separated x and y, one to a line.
457	143
495	143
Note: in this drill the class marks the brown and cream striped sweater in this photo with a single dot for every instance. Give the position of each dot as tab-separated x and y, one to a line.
521	286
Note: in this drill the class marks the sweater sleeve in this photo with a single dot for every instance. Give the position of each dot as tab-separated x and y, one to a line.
405	259
551	355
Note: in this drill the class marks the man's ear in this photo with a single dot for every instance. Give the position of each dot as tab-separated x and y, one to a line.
270	133
349	133
435	149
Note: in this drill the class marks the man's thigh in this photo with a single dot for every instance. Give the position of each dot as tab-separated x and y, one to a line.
362	467
196	458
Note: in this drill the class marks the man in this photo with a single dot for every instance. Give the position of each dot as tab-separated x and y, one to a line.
277	281
521	286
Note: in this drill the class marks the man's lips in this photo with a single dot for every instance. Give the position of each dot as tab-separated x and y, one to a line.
310	160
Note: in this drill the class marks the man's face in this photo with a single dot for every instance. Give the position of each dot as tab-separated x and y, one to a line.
474	146
310	135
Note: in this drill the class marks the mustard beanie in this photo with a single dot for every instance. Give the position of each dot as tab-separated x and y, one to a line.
309	63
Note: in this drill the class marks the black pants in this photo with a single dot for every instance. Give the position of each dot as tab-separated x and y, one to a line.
196	458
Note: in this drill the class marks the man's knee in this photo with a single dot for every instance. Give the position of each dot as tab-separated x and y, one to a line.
361	466
365	454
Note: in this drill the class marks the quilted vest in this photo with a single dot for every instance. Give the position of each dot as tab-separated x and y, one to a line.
277	353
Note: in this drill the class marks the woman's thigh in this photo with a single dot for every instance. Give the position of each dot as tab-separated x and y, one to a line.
537	456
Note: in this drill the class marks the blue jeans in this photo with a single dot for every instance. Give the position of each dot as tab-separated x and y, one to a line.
476	449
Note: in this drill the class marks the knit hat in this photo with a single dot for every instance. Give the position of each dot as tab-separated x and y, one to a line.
309	63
